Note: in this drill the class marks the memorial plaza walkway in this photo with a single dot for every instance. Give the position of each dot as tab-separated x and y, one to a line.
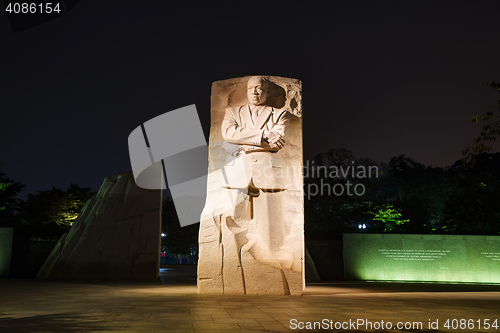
171	304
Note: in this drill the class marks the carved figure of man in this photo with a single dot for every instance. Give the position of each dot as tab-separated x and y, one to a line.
255	133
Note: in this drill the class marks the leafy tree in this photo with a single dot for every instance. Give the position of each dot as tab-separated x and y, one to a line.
387	214
9	203
56	205
489	133
177	240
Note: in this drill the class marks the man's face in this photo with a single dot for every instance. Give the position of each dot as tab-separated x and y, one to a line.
256	91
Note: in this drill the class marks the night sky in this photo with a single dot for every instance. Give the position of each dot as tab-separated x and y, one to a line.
379	78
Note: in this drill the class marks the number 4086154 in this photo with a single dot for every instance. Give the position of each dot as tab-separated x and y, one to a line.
33	8
471	324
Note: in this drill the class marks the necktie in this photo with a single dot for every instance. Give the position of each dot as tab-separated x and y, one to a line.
255	114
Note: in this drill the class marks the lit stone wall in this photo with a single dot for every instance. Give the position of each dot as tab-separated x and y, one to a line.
440	258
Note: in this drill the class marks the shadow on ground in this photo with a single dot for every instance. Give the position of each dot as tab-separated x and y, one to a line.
60	322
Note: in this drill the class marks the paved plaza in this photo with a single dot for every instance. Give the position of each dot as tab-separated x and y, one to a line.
171	304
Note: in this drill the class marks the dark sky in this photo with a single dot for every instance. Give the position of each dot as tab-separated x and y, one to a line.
379	78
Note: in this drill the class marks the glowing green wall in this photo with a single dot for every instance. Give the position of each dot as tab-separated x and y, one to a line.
443	258
5	250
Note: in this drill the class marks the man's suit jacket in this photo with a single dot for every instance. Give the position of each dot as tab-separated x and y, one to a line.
261	163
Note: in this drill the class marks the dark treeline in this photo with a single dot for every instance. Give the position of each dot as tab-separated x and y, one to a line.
404	197
46	209
39	221
342	194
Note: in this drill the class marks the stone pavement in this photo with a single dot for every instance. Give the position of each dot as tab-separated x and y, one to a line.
172	305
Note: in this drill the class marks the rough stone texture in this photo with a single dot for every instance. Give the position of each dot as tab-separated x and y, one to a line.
116	235
243	250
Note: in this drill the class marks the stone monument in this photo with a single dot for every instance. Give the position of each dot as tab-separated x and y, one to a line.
252	228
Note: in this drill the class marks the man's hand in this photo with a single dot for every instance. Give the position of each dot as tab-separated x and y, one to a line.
274	139
278	144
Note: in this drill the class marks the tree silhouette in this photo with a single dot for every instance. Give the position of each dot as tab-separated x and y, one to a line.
489	133
9	203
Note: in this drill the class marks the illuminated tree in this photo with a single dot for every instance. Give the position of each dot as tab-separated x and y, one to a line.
56	205
387	214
